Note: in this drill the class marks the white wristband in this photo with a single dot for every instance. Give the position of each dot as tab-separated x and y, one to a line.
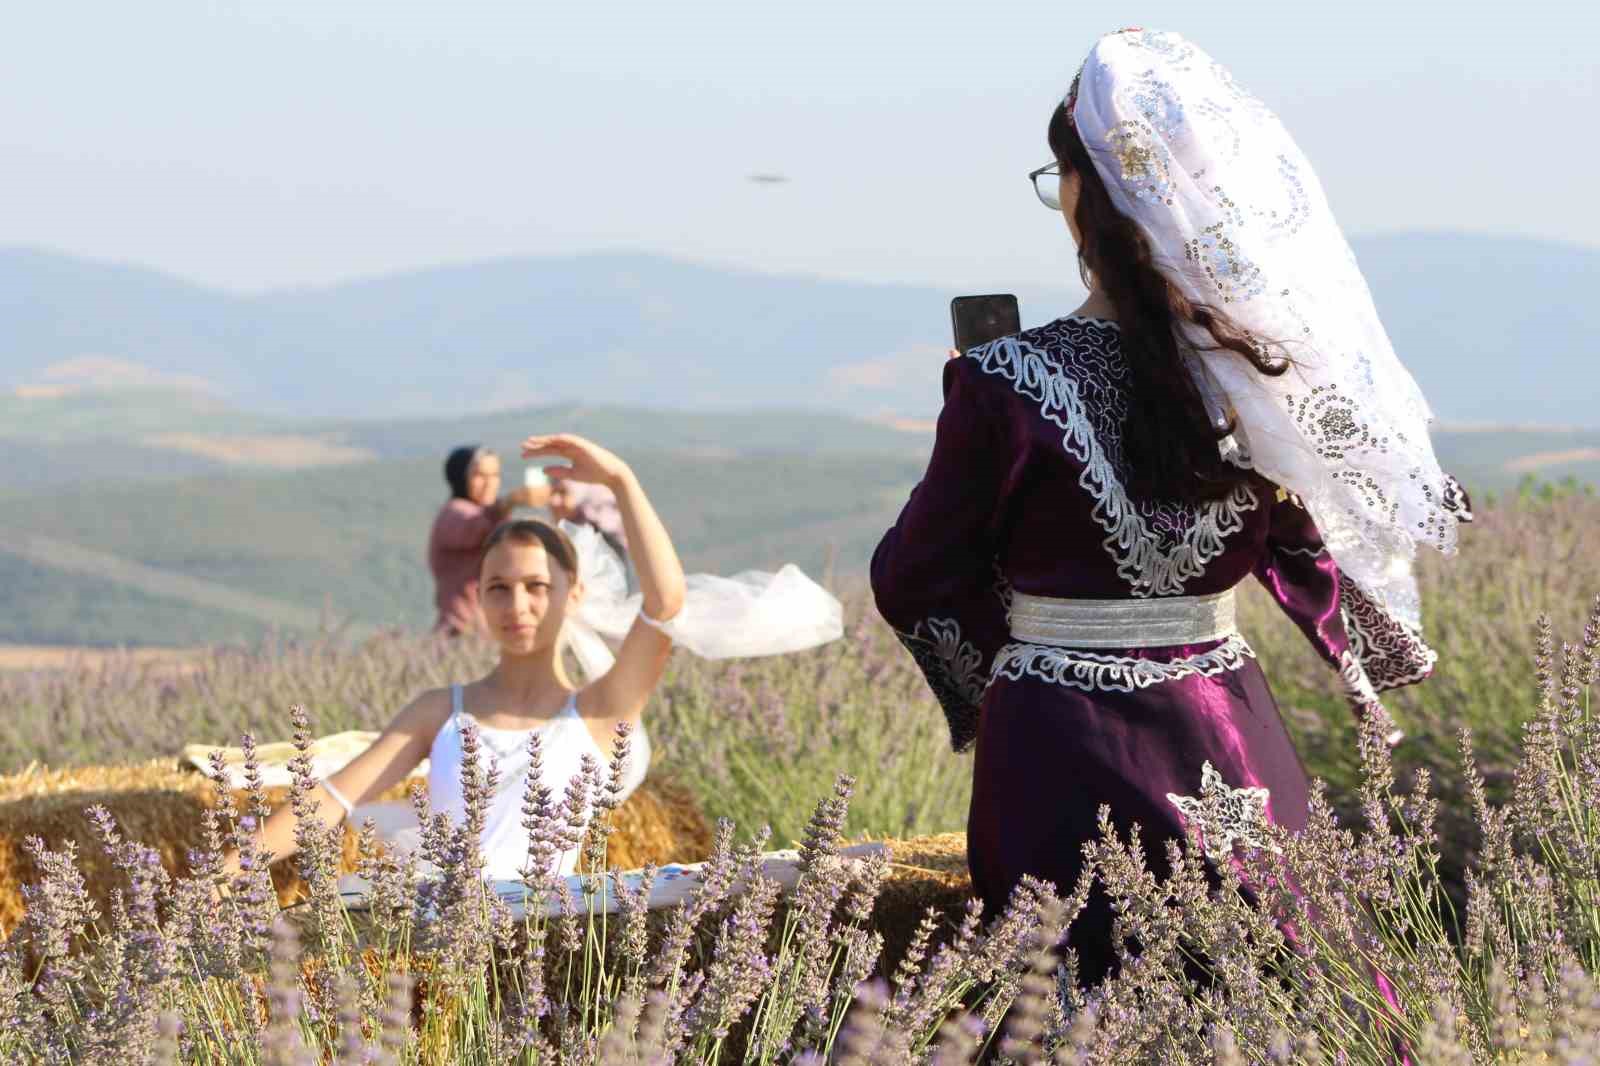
327	786
656	624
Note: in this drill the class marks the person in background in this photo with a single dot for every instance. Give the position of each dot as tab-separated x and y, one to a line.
461	529
591	505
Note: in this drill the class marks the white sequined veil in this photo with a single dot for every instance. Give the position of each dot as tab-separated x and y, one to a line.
1237	219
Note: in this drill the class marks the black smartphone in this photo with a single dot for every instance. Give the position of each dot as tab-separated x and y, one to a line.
980	319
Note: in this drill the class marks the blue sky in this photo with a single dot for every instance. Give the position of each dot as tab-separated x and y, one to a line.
303	141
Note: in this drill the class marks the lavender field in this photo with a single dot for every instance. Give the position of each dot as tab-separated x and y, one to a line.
1464	874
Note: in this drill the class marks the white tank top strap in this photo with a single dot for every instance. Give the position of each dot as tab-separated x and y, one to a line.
572	721
451	724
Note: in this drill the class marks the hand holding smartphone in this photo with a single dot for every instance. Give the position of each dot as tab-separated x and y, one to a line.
978	320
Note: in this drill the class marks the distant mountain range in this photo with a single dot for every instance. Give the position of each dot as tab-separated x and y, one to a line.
1498	330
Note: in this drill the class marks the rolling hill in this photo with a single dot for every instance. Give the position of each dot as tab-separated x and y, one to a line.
1497	330
346	544
97	440
231	554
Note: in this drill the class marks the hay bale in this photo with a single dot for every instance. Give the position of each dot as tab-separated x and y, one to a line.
924	872
660	823
37	780
160	806
152	804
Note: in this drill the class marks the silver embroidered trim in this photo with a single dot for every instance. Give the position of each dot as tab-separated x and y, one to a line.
1391	653
1092	672
1225	816
1357	685
961	661
1157	623
1002	586
1142	560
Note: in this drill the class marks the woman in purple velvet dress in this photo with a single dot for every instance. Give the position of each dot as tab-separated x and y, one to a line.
1065	572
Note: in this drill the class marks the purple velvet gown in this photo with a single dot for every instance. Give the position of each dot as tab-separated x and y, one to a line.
1024	494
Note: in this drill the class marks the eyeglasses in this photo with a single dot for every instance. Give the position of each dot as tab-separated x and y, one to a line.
1047	183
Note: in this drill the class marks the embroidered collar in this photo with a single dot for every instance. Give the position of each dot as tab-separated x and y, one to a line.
1074	370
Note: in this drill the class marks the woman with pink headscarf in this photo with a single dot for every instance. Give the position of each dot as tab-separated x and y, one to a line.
462	526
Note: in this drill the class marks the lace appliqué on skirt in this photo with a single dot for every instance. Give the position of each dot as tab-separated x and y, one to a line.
1223	816
1091	672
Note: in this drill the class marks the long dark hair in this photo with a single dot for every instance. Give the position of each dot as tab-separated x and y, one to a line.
1169	441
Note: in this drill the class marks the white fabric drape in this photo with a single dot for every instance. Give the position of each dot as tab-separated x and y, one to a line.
750	614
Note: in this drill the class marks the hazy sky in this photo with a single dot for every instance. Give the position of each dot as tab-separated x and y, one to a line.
303	141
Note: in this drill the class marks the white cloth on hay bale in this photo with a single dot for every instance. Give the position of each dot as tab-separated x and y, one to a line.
674	883
329	755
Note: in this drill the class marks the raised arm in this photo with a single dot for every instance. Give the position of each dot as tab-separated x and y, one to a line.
385	763
621	694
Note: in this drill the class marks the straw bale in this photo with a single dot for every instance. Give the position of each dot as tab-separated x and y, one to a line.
660	823
160	806
924	872
37	780
165	817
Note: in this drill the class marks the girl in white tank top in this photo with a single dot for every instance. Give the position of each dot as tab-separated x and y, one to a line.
563	742
542	591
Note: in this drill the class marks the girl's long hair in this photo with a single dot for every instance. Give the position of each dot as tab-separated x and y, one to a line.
1169	440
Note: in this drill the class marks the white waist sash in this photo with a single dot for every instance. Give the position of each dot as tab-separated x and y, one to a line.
1153	623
